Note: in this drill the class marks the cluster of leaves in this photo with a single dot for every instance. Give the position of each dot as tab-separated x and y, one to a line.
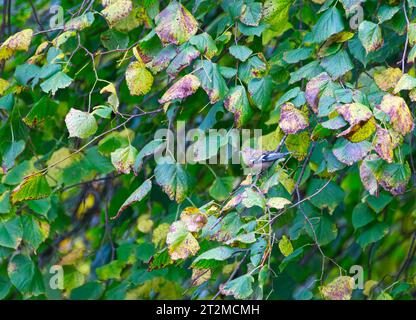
331	82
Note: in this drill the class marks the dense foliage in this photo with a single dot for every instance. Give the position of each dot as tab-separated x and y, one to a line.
84	201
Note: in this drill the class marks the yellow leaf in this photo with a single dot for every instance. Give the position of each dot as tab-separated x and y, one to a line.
139	79
144	223
17	42
388	78
278	202
285	246
117	11
159	235
339	289
199	276
4	84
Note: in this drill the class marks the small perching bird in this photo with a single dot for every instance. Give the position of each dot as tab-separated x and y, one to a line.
260	160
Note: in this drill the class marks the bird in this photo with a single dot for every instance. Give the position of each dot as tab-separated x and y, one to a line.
261	160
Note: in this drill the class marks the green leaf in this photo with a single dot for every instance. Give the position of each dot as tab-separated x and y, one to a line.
361	216
11	232
182	60
58	81
25	276
349	153
372	234
221	188
88	291
237	103
260	90
329	23
12	152
386	12
370	36
136	196
296	55
211	80
205	44
80	124
219	254
114	40
240	52
240	288
325	230
172	177
251	13
338	64
149	149
138	78
32	187
329	197
34	231
111	270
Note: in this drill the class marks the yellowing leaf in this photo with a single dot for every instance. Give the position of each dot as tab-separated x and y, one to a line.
292	120
175	24
285	246
139	79
159	235
384	144
3	86
387	79
181	243
360	131
181	89
278	202
339	289
116	11
193	218
123	159
18	42
400	116
144	223
80	124
32	188
199	276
